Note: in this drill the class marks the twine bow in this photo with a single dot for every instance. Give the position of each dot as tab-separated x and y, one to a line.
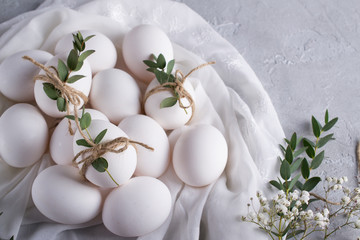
178	87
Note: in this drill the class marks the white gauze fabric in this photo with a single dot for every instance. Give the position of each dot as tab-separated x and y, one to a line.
229	96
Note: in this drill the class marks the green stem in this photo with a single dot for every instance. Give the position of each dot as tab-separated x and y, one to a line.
88	133
111	177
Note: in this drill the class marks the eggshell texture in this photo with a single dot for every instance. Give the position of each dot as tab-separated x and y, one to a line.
49	106
170	117
116	94
62	195
140	43
137	208
200	155
121	165
105	54
61	142
23	135
17	75
146	130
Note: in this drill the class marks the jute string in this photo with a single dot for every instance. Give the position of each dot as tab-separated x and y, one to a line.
178	87
74	96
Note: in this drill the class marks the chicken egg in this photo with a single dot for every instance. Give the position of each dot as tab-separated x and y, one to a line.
48	105
137	208
140	43
200	155
61	142
144	129
169	117
17	75
63	196
116	94
121	166
105	54
23	135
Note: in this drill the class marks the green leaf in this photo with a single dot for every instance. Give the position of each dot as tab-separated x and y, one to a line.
150	63
168	102
88	38
100	164
317	160
315	126
72	59
171	78
294	233
276	184
71	117
326	116
161	62
308	141
299	185
170	66
322	141
82	142
151	70
299	151
79	36
286	230
288	154
330	124
50	91
293	141
75	78
310	151
295	165
85	121
61	104
305	170
78	66
62	70
85	54
293	181
285	172
100	136
77	43
311	183
161	76
283	150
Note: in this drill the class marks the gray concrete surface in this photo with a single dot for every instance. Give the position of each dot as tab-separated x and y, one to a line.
306	54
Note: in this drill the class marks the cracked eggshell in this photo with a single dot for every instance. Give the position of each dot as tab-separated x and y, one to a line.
61	142
23	135
170	117
49	106
105	54
17	74
200	155
115	93
60	193
138	46
120	165
146	130
137	208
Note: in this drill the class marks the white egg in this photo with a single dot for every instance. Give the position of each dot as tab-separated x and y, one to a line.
144	129
62	195
137	208
17	75
140	43
200	155
105	54
170	117
23	135
121	166
116	94
61	142
49	106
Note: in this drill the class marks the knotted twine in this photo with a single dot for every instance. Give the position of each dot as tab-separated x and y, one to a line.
74	97
178	87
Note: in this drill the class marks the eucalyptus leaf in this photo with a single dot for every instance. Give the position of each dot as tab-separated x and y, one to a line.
100	164
288	154
100	136
326	116
310	151
161	62
83	142
305	170
79	36
330	124
161	76
85	121
71	117
62	70
74	78
168	102
88	38
79	66
299	185
61	104
299	151
311	183
322	141
85	54
293	181
150	63
50	91
293	141
316	162
295	165
151	70
72	59
77	43
170	66
276	184
285	172
283	150
315	126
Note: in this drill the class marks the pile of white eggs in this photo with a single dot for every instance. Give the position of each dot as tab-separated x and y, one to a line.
141	202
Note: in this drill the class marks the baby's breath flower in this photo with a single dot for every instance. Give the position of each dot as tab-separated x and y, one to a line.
305	197
357	190
329	179
345	200
263	201
357	223
294	195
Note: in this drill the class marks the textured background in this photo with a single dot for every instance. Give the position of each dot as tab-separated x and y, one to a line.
305	53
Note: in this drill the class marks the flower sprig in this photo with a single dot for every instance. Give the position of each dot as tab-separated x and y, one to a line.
74	63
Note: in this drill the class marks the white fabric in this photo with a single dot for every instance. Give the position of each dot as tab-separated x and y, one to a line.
229	95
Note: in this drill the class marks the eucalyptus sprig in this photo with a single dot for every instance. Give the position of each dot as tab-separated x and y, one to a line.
74	62
163	73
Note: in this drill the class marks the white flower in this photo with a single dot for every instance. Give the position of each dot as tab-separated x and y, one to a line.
321	221
280	208
345	178
298	203
329	179
357	223
294	195
252	216
259	194
345	200
263	201
326	212
357	190
295	211
340	181
305	197
346	190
